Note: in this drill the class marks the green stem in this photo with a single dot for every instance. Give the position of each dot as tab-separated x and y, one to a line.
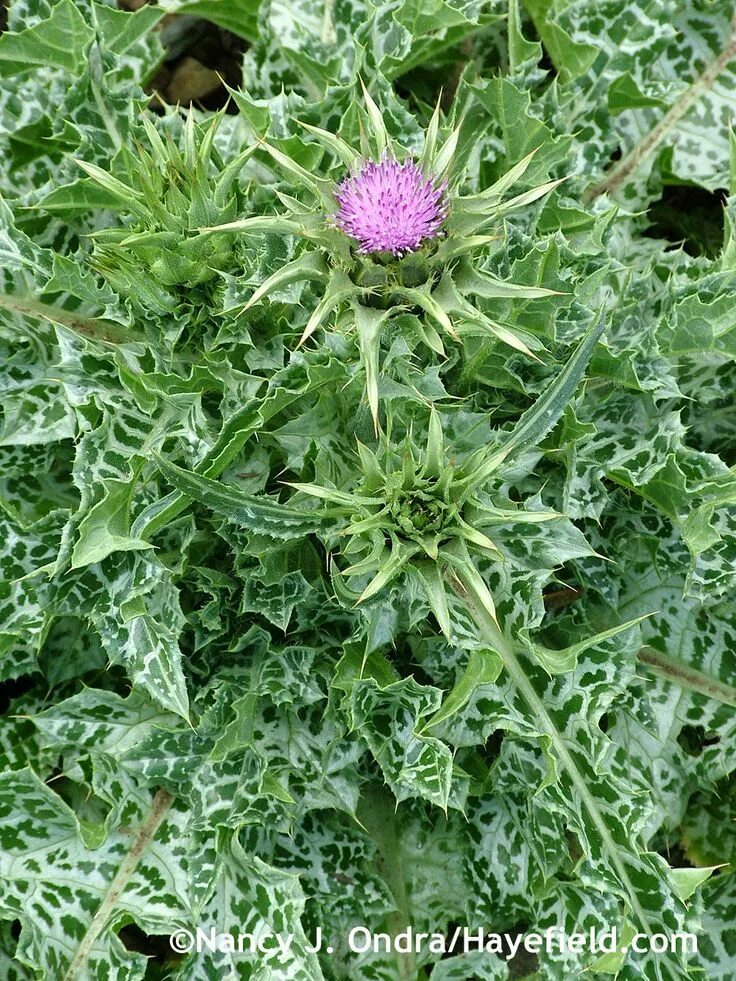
630	163
161	804
498	641
685	676
377	814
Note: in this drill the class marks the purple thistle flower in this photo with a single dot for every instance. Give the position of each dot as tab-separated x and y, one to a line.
390	207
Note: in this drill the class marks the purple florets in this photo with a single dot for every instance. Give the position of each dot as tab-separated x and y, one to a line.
390	207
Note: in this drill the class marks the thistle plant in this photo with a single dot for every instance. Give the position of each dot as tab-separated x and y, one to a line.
396	235
275	664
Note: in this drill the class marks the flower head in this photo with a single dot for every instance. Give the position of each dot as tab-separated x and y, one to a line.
390	207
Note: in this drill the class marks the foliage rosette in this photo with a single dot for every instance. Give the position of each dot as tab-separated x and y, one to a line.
425	513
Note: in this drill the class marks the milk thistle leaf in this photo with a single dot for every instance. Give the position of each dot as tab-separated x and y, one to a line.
306	266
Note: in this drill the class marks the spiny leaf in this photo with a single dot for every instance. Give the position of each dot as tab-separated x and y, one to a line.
260	515
539	419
